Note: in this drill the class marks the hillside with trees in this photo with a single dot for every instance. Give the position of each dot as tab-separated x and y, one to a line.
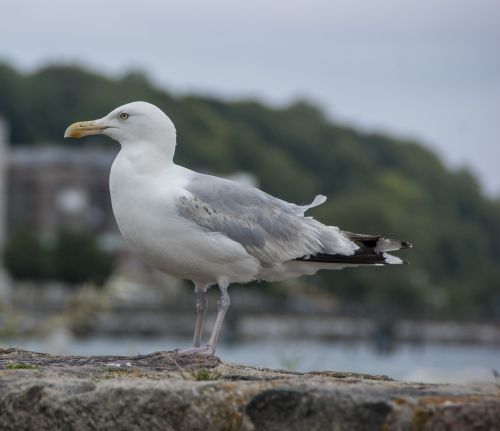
375	183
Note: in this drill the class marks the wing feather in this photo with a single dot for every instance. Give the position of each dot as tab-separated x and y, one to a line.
270	229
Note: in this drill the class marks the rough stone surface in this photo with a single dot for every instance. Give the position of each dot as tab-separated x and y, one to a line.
163	391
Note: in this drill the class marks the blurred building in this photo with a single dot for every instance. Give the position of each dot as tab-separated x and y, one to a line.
52	187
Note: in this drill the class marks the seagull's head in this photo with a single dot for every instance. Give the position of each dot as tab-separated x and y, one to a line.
129	124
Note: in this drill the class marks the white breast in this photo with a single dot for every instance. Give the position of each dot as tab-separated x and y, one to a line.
144	204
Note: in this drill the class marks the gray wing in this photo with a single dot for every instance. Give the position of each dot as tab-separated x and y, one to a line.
271	230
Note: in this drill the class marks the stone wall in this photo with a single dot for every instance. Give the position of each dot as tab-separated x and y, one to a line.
165	391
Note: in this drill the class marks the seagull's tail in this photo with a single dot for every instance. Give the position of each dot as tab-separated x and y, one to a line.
372	251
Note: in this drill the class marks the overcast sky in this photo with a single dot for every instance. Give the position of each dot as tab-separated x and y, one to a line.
428	69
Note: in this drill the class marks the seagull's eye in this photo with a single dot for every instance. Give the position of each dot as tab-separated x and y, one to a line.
123	116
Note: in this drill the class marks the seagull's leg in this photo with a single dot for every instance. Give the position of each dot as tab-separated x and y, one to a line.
209	349
222	306
201	312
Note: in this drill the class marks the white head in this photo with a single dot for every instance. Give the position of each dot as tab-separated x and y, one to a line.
131	124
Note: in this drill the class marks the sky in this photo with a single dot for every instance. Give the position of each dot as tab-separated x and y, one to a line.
426	69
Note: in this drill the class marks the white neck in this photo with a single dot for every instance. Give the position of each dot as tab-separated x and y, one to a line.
147	157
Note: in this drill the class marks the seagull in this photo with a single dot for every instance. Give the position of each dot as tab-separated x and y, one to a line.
211	230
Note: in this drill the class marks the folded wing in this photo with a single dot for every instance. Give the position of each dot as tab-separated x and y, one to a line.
270	229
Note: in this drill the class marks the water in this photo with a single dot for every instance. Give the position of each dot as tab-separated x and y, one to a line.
424	363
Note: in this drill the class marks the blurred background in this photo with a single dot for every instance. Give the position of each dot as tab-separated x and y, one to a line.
389	109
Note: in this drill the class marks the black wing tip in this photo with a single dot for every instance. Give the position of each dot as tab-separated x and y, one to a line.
372	241
406	244
367	259
356	259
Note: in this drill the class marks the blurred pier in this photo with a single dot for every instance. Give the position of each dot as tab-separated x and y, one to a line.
159	306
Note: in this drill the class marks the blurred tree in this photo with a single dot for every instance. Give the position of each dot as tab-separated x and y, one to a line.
79	259
26	258
73	258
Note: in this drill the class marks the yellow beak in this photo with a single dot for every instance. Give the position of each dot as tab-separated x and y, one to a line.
83	128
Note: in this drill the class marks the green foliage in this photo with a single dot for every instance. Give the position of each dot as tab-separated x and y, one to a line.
73	258
21	366
375	183
204	375
79	259
26	258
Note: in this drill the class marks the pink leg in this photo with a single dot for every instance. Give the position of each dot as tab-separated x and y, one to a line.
209	349
201	312
222	306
